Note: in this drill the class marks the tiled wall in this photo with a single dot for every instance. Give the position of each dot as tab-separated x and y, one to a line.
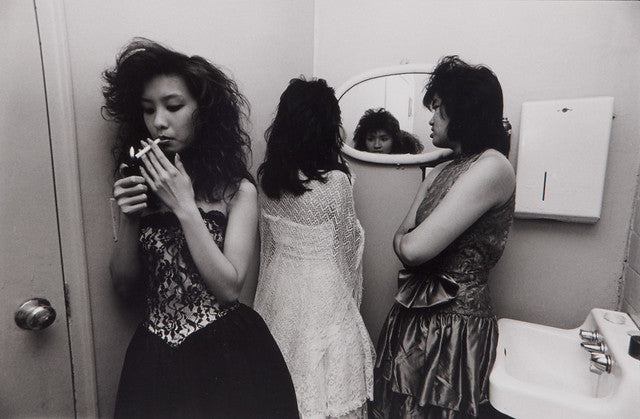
630	299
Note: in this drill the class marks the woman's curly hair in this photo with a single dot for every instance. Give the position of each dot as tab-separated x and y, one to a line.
381	119
216	161
472	100
375	120
304	137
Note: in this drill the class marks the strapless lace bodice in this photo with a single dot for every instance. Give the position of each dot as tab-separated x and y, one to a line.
178	301
313	242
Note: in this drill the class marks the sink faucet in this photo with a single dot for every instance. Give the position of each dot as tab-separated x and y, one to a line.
595	347
594	343
590	335
600	363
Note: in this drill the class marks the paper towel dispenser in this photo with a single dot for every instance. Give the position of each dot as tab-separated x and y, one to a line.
562	158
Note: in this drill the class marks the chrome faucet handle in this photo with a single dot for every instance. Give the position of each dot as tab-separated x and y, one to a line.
600	363
590	335
595	347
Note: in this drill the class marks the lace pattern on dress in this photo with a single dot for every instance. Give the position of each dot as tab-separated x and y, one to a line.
178	301
309	293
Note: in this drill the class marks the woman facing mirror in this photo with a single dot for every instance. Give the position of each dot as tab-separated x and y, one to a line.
378	131
394	89
438	343
310	285
198	352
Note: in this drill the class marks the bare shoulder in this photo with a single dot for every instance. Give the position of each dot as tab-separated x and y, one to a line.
247	187
493	174
494	156
495	164
246	193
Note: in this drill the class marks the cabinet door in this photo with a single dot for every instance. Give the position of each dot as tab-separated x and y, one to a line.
35	365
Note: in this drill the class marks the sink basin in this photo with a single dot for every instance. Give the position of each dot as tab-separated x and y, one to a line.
542	371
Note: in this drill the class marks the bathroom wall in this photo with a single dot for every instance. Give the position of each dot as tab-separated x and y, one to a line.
261	44
630	301
551	272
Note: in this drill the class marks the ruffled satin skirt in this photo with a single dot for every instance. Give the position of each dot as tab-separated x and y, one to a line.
434	362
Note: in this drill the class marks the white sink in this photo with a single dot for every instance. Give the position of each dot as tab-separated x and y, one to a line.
543	372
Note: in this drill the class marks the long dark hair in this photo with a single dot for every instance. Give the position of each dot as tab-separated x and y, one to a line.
216	161
304	137
472	100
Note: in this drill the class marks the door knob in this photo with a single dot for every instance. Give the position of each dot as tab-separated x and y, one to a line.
35	314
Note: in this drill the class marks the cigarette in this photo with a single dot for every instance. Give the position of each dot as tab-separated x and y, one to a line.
146	149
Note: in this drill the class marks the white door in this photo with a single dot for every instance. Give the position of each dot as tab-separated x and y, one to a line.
35	365
399	99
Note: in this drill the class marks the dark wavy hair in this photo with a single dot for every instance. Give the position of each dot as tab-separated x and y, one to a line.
216	160
375	120
303	137
381	119
472	100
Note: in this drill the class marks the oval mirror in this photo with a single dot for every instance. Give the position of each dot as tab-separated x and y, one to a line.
388	97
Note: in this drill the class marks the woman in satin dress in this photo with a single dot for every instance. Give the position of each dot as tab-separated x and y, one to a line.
438	343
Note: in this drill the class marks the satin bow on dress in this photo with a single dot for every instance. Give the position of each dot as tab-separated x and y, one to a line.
420	289
438	342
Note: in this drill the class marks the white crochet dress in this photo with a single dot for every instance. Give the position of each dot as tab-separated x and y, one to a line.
309	292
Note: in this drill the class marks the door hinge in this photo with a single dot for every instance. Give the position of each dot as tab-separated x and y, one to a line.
67	303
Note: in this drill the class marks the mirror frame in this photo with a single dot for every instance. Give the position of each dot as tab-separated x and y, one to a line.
423	159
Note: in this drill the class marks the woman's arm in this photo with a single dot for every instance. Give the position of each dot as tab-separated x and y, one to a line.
410	219
124	265
222	271
488	183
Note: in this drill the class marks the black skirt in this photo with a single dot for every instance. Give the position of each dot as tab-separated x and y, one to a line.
232	368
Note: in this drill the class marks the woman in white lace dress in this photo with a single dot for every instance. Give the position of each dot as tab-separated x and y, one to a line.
310	283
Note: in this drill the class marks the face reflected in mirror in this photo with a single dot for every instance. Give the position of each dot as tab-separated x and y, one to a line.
385	115
378	142
378	131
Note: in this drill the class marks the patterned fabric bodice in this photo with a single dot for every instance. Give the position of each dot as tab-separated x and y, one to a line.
479	248
468	259
178	302
301	242
319	225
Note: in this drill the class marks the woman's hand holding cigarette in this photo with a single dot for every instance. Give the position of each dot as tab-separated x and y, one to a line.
169	181
147	147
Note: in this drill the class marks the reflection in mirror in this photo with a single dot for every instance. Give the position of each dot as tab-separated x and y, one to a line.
385	115
378	131
398	90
